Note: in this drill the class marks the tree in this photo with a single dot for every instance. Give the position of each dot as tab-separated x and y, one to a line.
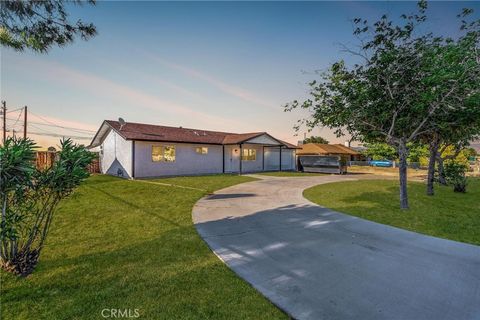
455	175
380	151
389	97
453	134
315	139
29	198
39	25
454	70
418	152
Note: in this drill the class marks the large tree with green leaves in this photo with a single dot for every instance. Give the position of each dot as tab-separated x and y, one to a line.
453	73
391	96
39	25
315	139
453	132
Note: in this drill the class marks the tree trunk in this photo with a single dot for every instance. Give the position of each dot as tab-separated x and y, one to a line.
441	170
431	165
402	168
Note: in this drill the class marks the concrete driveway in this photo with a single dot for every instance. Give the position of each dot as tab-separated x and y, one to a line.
315	263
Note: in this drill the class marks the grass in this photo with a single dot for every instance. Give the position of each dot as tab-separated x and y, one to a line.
385	171
449	215
129	244
289	174
207	183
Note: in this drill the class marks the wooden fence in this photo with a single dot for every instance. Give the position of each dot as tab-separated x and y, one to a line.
45	159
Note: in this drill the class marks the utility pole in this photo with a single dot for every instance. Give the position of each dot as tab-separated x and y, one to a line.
4	113
25	122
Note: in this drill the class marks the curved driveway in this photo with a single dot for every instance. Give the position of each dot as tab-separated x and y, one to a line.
316	263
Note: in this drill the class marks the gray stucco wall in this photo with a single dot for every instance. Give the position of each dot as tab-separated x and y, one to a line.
232	158
187	161
288	159
116	155
253	166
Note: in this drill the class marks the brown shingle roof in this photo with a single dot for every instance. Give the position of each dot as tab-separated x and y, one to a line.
148	132
140	131
289	145
318	148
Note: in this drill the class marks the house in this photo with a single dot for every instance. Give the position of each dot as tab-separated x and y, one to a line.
136	150
476	146
348	154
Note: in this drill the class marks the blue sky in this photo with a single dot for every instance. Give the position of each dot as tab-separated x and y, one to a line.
211	65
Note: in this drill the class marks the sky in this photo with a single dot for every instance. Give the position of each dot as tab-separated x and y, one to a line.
225	66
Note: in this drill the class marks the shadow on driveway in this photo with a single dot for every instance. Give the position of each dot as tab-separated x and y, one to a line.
316	263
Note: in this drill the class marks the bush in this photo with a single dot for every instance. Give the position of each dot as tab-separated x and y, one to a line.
29	197
455	175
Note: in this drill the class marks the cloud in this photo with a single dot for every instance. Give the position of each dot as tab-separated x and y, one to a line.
62	122
114	90
232	90
87	83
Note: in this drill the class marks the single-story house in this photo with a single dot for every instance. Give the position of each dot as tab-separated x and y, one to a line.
136	150
320	149
476	146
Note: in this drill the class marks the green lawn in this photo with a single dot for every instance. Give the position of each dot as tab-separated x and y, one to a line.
448	214
289	174
129	244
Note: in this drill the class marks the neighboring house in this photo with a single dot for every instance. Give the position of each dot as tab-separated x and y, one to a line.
346	153
476	145
137	150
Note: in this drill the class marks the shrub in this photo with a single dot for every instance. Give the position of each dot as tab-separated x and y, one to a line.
29	197
455	175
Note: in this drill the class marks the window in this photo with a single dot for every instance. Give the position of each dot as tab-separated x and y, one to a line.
157	153
163	153
201	150
249	155
169	153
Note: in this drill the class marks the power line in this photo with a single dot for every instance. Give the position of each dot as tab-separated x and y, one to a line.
14	110
59	135
38	125
58	126
49	133
39	128
18	118
46	132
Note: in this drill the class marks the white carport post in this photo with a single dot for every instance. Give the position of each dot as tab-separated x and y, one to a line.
240	162
280	155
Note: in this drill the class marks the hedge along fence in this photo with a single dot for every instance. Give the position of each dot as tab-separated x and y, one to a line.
45	159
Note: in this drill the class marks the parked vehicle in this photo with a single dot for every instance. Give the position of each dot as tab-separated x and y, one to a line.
381	163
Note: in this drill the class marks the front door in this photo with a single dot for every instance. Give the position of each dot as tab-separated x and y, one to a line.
232	158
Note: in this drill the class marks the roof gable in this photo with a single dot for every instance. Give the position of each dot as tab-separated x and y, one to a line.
264	139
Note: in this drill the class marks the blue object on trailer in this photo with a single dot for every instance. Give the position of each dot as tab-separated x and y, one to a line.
381	163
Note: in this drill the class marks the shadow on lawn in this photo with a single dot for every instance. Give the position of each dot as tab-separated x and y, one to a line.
140	276
134	206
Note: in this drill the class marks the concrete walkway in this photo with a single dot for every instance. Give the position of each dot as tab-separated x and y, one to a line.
315	263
